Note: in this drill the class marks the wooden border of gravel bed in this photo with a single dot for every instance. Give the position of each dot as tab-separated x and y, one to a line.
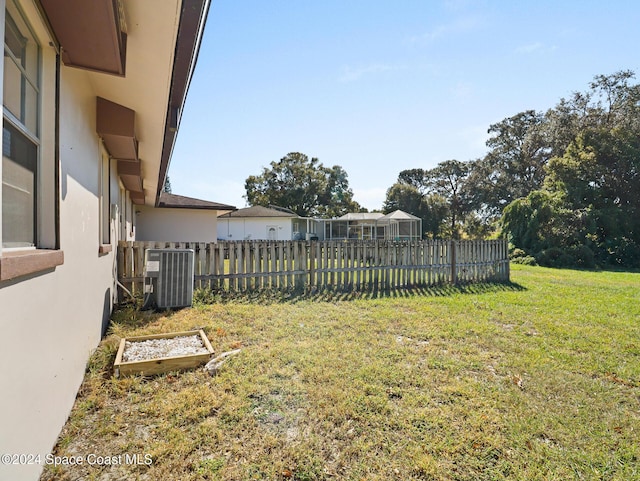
150	367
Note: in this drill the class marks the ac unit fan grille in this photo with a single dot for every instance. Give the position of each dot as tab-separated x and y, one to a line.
174	277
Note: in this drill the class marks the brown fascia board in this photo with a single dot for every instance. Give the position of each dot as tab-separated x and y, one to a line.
90	33
193	17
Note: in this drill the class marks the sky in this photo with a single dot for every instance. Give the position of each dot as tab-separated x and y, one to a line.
378	87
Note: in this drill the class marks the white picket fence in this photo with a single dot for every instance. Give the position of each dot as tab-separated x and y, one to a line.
346	265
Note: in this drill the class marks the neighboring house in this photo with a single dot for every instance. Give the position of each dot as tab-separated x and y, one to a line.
397	225
92	94
179	219
264	223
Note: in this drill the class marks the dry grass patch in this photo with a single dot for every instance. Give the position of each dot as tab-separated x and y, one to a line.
540	381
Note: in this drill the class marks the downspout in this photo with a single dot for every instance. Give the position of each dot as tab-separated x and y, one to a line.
56	153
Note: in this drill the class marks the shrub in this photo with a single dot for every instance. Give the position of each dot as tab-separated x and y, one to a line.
583	256
549	257
526	260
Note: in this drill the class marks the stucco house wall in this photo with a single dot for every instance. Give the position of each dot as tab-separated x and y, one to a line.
176	225
177	218
52	321
56	295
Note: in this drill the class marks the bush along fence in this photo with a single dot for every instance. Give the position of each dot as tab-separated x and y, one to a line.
346	265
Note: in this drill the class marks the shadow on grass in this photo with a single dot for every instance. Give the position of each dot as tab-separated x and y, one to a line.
270	296
130	314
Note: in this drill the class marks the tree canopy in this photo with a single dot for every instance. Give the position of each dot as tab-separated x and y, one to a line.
304	186
167	185
439	196
562	185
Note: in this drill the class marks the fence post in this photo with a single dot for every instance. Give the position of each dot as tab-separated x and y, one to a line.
310	264
452	256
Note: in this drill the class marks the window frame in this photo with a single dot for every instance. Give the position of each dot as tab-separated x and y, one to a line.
20	125
46	254
104	217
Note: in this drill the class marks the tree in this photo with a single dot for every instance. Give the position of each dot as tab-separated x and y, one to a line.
435	212
408	194
415	178
611	102
303	185
449	180
167	185
337	199
599	175
514	165
404	197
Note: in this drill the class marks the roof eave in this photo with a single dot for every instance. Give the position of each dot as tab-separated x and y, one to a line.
193	18
196	207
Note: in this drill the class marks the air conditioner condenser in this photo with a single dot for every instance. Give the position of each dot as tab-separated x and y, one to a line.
168	278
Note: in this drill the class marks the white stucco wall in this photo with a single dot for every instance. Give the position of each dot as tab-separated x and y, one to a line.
176	225
253	228
51	321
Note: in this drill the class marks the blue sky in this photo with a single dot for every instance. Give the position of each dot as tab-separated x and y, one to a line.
381	86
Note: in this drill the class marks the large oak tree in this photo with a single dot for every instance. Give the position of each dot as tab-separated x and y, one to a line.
304	186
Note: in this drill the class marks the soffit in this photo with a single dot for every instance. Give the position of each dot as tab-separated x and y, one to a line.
152	30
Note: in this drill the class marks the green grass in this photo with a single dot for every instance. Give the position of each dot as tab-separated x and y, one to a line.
537	380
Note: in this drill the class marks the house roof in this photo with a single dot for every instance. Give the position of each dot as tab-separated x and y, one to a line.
182	202
362	216
399	215
259	211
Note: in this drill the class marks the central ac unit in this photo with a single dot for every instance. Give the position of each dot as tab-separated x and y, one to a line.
168	277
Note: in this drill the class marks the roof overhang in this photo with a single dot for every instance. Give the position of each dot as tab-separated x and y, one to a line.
160	50
174	201
192	19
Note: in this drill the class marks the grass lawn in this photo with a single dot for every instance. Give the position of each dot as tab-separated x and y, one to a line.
537	380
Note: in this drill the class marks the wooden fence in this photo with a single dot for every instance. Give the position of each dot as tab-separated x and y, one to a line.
348	265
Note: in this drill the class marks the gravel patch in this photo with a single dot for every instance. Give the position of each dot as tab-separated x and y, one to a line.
159	348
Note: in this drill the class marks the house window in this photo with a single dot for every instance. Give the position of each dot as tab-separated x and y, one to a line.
20	132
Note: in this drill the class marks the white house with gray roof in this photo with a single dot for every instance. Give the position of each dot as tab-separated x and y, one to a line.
265	223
